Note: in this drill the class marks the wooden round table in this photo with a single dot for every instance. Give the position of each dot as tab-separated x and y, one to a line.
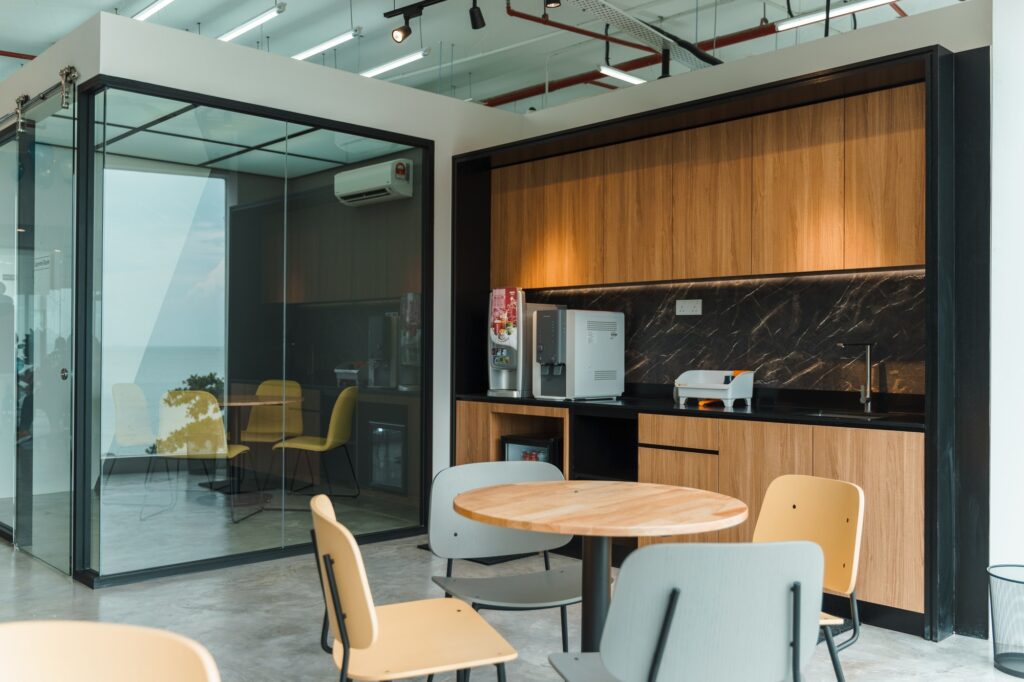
599	511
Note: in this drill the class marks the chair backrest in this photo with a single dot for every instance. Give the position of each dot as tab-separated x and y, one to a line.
734	615
335	541
453	536
55	651
277	420
821	510
131	416
340	428
191	425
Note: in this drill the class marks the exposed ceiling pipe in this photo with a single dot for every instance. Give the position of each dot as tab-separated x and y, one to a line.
899	10
546	21
591	76
568	82
16	55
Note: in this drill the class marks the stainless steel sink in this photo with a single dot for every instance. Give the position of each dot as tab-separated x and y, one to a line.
856	416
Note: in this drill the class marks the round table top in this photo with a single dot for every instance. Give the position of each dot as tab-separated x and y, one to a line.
602	508
256	401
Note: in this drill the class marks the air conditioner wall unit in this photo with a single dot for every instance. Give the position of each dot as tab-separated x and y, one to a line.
374	184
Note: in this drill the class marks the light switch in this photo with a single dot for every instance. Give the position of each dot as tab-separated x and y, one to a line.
688	306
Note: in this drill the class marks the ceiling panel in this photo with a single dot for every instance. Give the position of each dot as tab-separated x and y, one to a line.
133	109
335	146
273	164
219	125
149	145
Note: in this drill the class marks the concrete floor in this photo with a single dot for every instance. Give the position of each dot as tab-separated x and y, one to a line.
262	621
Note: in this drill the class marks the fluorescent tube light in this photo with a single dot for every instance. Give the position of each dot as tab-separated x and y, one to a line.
401	61
151	9
612	72
837	11
328	44
257	20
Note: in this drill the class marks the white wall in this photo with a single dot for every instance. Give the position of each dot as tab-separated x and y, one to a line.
1006	540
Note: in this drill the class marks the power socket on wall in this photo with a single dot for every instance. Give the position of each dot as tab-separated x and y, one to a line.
688	306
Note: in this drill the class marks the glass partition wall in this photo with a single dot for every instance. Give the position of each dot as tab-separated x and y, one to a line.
253	340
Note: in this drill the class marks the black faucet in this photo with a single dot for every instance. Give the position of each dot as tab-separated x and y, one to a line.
865	389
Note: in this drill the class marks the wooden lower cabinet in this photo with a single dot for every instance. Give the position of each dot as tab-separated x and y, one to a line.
480	425
682	468
889	466
752	455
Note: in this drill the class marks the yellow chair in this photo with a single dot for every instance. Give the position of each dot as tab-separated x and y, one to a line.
56	651
339	432
830	513
396	641
192	428
273	423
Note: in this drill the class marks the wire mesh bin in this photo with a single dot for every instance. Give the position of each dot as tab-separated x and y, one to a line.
1006	586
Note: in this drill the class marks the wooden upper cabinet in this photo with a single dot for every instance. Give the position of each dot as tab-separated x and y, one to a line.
885	178
636	220
711	201
798	189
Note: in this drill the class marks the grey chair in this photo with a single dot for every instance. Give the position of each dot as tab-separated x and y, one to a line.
708	612
453	536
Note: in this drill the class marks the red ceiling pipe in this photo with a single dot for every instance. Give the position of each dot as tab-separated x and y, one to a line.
561	83
899	10
545	21
738	37
16	55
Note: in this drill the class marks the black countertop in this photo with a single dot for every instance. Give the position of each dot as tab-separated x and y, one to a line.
770	410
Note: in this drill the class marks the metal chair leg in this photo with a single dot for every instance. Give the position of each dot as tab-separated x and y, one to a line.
565	628
501	672
833	654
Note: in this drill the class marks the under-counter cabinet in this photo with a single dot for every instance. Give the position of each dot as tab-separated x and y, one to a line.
687	457
751	456
889	466
480	425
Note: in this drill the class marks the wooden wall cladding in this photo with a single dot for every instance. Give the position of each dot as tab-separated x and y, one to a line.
885	178
829	186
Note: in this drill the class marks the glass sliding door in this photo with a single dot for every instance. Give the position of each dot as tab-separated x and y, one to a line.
8	273
44	339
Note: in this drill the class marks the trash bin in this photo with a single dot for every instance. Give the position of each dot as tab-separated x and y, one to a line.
1006	587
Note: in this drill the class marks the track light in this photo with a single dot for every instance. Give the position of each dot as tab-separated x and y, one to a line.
840	11
151	9
328	44
612	72
401	61
256	21
402	32
552	4
476	17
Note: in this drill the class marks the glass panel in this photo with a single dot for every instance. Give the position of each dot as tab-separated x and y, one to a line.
45	276
172	415
236	299
8	273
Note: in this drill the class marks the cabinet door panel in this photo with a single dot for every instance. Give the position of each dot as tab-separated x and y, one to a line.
637	215
700	433
677	467
889	466
751	456
711	205
798	189
885	183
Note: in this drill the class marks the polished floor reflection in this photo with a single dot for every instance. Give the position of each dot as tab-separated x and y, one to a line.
261	621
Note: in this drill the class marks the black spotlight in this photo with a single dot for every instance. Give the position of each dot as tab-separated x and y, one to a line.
402	32
476	17
552	4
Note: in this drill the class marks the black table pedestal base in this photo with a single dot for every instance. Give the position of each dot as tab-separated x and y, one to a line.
597	561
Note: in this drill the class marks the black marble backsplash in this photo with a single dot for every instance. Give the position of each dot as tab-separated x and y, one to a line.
785	329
